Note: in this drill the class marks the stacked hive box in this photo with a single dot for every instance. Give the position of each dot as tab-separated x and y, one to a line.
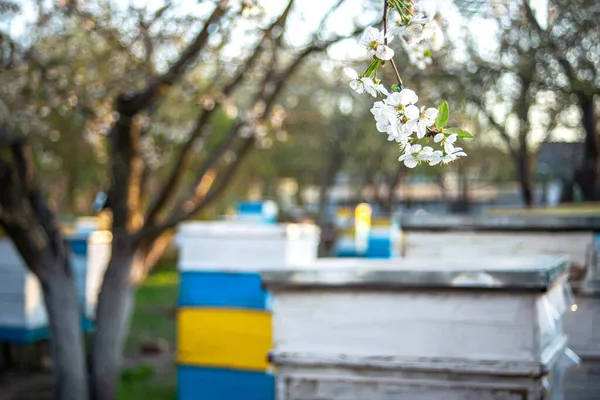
23	317
383	239
91	254
224	323
421	329
261	212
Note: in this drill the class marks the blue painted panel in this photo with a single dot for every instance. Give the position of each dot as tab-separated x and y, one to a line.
379	248
345	253
23	335
79	245
87	325
221	289
20	335
250	208
197	383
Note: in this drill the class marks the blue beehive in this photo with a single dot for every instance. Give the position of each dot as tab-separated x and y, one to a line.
223	318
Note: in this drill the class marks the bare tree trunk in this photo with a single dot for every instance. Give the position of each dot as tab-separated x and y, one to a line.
523	161
327	179
587	176
334	165
66	338
396	181
115	305
35	232
524	175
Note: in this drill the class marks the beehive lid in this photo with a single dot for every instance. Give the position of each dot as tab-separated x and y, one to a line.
536	273
231	229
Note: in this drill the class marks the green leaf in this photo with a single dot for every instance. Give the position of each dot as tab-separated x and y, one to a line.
461	133
372	68
443	114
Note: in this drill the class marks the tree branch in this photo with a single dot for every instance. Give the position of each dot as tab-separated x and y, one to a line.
177	69
24	212
214	192
267	97
499	128
168	191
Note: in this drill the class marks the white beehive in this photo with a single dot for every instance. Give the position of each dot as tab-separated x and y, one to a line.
238	246
420	329
23	315
22	306
98	256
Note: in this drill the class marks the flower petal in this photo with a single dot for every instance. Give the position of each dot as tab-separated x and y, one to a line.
384	53
415	148
439	137
411	163
381	89
421	130
407	96
369	36
411	112
431	113
350	73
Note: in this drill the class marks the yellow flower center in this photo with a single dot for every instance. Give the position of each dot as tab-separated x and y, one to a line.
374	44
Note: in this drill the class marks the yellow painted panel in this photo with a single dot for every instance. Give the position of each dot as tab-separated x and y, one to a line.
381	222
568	210
228	338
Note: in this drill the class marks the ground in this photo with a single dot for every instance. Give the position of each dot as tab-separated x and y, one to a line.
149	375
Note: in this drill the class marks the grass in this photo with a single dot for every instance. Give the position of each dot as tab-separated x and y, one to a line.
154	309
147	377
139	383
153	318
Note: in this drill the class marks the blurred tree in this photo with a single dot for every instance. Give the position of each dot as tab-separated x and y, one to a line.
122	90
547	59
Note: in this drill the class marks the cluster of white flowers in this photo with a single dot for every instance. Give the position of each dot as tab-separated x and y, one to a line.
398	114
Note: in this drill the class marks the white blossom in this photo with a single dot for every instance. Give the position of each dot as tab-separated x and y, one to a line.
425	119
426	7
384	115
433	157
418	55
370	86
451	152
410	156
429	30
436	157
411	32
394	113
403	102
447	142
374	40
453	155
364	84
434	35
381	89
397	114
399	132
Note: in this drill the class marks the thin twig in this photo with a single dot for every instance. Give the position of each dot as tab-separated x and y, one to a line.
385	40
396	72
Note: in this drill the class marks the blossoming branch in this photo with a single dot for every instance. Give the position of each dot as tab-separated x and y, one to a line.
398	115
